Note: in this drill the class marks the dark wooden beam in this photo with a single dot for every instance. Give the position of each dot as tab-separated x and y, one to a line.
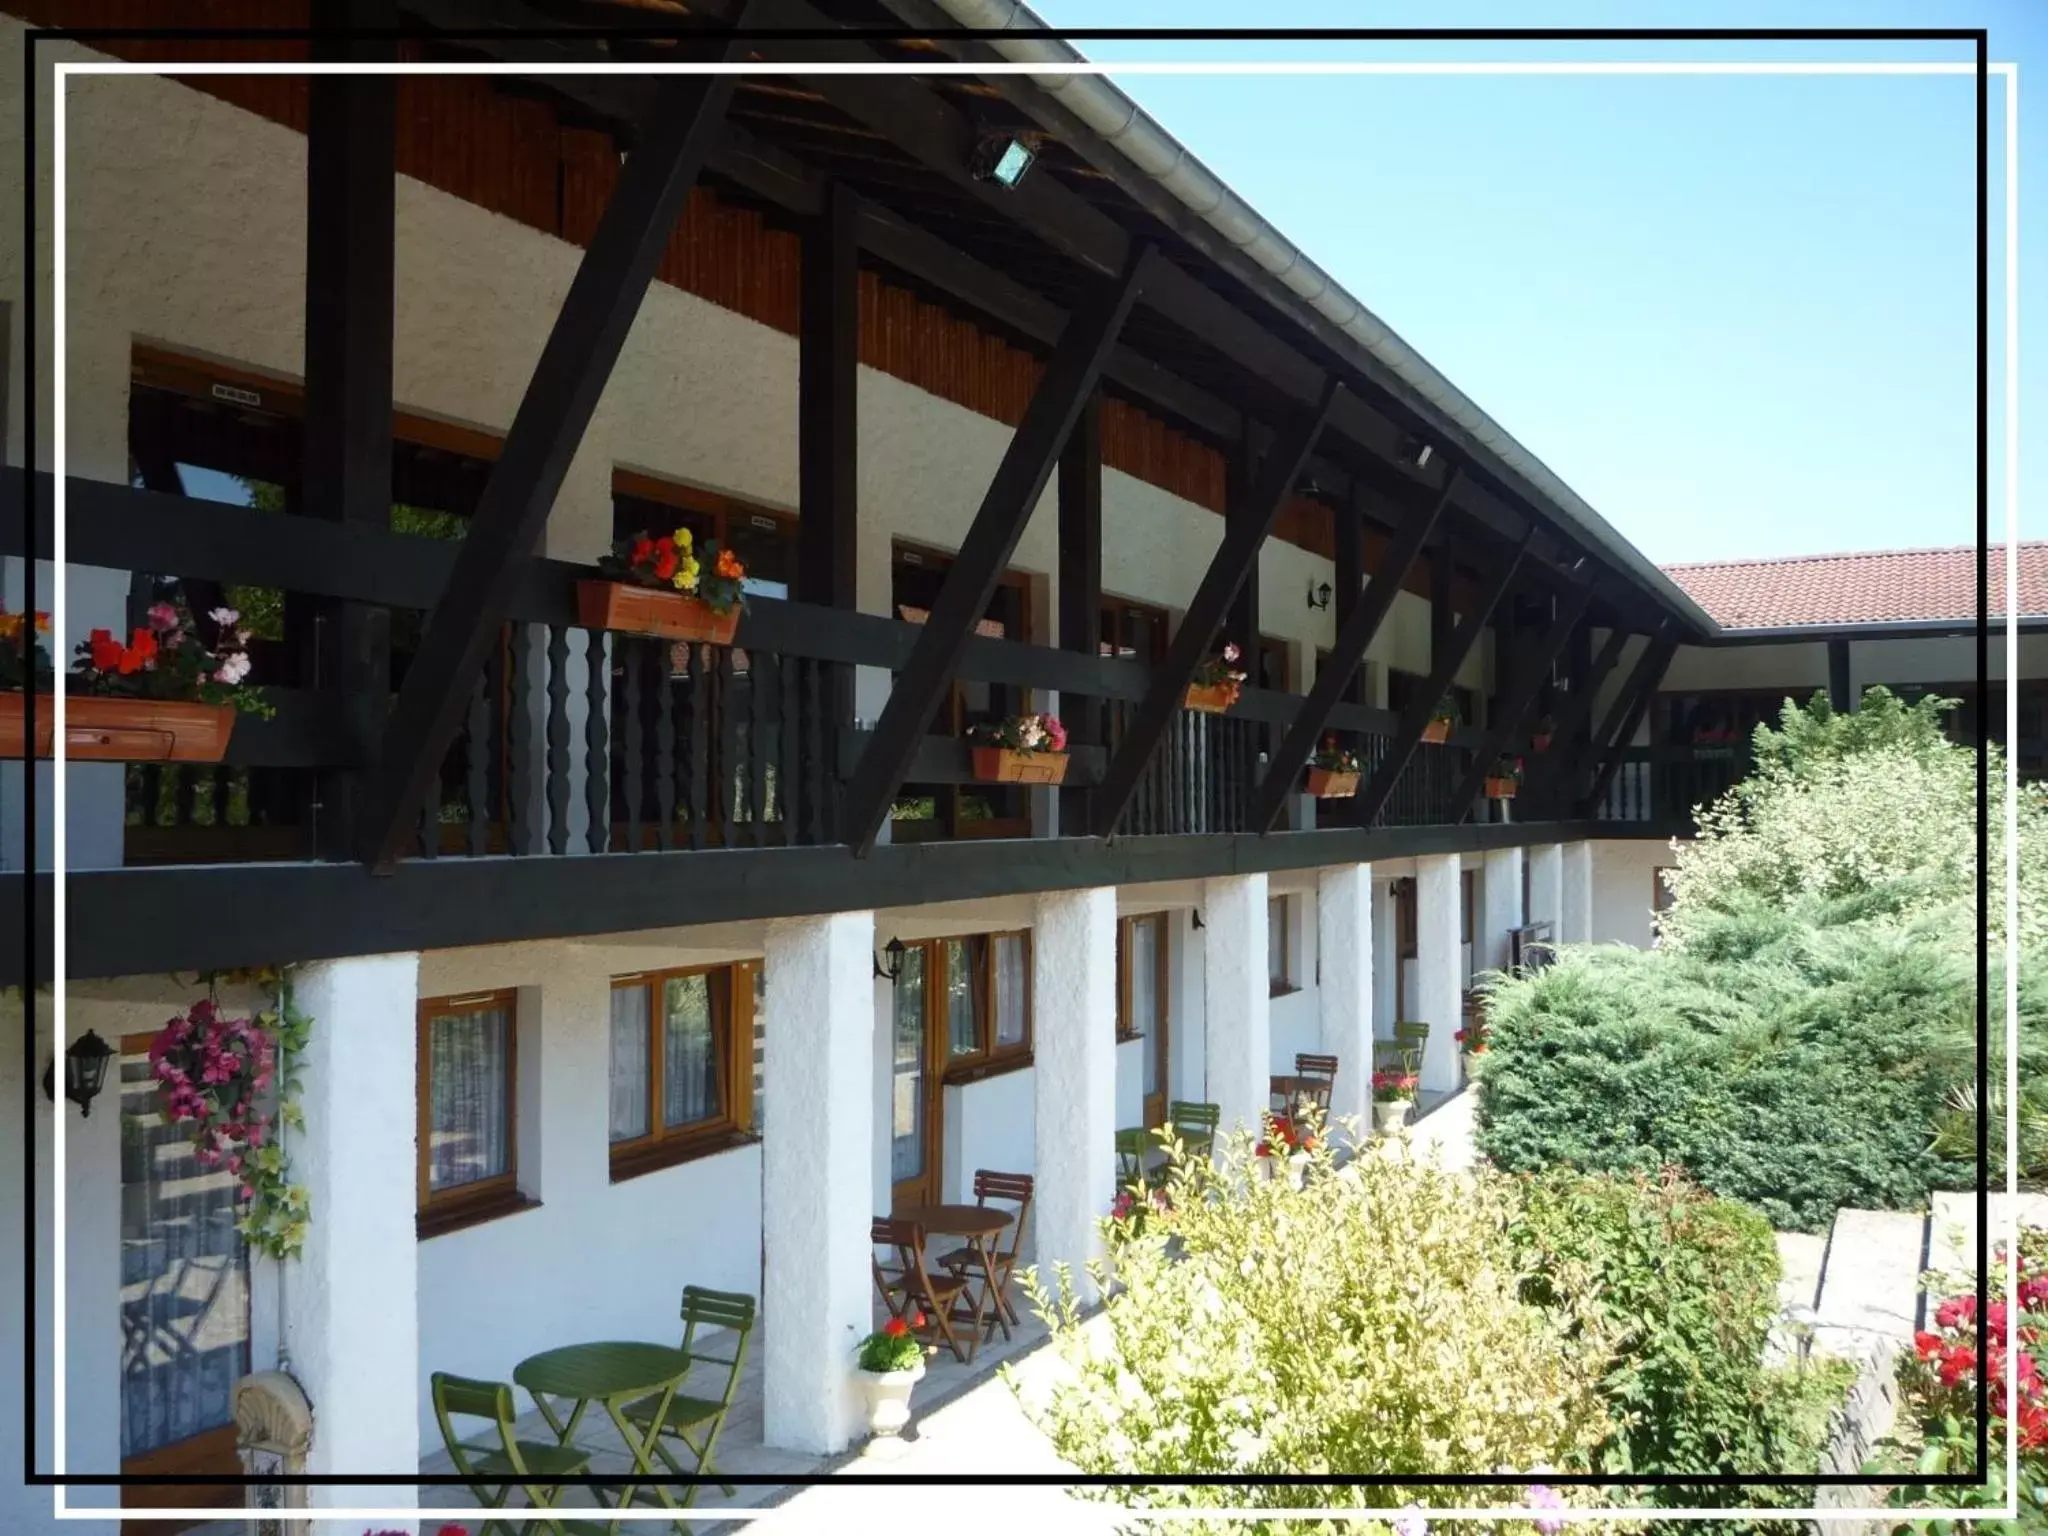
1839	686
1348	530
1443	669
1520	696
1063	389
351	214
1636	694
1443	617
1557	766
574	365
1243	622
1191	641
1334	677
1080	596
828	422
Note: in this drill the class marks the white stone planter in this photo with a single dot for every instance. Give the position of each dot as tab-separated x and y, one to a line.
888	1398
1471	1065
1294	1167
1390	1115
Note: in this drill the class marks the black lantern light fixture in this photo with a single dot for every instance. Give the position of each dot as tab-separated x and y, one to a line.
85	1071
1003	158
893	971
1319	596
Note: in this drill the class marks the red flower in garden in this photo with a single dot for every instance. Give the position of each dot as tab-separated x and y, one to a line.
1927	1345
1956	1311
643	550
106	650
1957	1363
896	1328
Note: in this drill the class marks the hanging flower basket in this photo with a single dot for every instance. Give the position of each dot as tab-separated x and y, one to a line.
118	730
1330	784
1500	789
1504	779
1000	765
637	610
1212	698
1437	732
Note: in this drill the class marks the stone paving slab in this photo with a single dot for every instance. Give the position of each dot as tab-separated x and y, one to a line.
1870	1290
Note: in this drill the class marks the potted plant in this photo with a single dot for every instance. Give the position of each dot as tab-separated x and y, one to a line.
1024	749
165	696
1217	682
1128	1211
661	586
1393	1094
1472	1043
891	1363
1333	771
1503	778
1285	1138
1540	735
1442	723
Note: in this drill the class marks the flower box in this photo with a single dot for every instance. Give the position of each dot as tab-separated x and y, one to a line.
1437	732
1001	765
1329	784
637	610
1500	789
110	729
1211	698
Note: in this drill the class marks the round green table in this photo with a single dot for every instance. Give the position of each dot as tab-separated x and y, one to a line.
612	1375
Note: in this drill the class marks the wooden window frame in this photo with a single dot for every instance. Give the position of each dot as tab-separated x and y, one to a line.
716	505
1280	651
1466	885
732	1028
484	1199
1284	985
1406	920
989	1059
1126	1027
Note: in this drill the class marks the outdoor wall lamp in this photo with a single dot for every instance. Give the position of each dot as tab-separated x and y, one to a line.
1198	919
1417	453
1002	158
1319	596
85	1071
893	971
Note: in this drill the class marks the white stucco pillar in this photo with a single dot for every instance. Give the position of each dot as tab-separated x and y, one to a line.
1238	987
1439	993
1073	991
1575	907
1546	887
1344	935
1500	908
351	1300
817	1152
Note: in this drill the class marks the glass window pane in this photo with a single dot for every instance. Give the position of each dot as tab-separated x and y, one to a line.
690	1078
1145	993
469	1073
631	1079
906	1154
1276	940
1010	989
963	997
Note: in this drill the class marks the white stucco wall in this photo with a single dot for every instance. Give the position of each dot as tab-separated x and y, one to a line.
1623	889
989	1124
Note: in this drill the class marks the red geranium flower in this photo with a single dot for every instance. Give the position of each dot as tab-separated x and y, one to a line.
1927	1345
664	557
895	1328
1957	1364
643	550
106	650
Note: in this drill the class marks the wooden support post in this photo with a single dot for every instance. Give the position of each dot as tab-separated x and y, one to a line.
1244	621
1443	669
1554	767
1520	696
579	356
1840	695
1350	583
828	423
1064	388
1080	597
351	211
1442	617
1191	642
1631	704
1334	677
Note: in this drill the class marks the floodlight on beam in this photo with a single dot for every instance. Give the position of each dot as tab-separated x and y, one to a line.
1003	158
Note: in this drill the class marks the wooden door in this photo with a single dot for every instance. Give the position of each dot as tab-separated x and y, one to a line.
184	1305
1145	996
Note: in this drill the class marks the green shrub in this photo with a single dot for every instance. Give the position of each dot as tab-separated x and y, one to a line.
1687	1283
1799	1059
1375	1319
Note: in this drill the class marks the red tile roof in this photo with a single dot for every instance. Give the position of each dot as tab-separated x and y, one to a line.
1891	586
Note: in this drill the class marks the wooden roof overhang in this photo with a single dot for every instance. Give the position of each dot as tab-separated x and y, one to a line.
1222	355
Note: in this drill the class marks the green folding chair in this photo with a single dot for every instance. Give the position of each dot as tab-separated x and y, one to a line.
1195	1125
1412	1035
1132	1143
696	1421
494	1466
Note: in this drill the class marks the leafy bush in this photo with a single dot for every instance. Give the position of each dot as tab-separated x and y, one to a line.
1799	1061
1375	1319
1687	1284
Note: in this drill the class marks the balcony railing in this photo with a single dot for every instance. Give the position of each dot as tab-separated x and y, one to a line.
575	741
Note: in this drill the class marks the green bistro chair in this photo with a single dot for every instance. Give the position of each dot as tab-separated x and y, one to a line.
696	1421
495	1465
1195	1125
1132	1143
1412	1035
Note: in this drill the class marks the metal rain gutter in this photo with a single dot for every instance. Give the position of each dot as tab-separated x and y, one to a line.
1122	123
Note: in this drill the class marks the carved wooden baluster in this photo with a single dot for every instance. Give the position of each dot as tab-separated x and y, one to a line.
597	749
632	649
521	700
700	745
476	748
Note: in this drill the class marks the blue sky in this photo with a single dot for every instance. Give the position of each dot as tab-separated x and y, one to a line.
1735	314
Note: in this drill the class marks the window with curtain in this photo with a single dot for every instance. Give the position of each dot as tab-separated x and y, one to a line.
1279	957
1141	974
467	1139
966	962
980	991
683	1064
